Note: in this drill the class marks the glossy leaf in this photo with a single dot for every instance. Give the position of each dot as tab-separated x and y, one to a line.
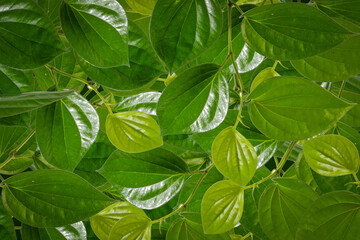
103	222
131	227
282	205
332	155
337	64
65	131
142	6
292	108
347	9
11	105
291	31
7	230
14	81
27	37
143	102
181	30
51	198
263	75
133	131
144	66
234	156
97	30
196	101
74	231
333	216
222	207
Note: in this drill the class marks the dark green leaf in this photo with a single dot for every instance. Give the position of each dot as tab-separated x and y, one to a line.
7	230
131	227
347	9
14	81
11	138
15	165
51	8
350	133
70	232
51	198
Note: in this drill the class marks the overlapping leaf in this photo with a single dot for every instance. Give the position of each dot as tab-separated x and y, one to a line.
131	227
347	9
70	232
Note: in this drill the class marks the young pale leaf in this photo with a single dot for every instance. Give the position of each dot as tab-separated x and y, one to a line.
347	9
332	155
133	131
144	66
144	102
234	156
222	207
51	198
131	227
262	76
181	30
292	108
97	30
142	6
27	37
196	101
70	232
65	131
11	105
103	222
291	31
282	205
334	215
7	230
337	64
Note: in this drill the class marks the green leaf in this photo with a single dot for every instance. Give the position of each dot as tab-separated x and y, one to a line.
181	30
234	156
65	131
196	101
333	216
148	179
15	165
144	102
131	227
332	155
11	138
281	206
347	9
97	30
51	8
350	133
14	81
292	108
14	104
133	131
143	70
182	141
70	232
103	222
262	76
27	37
7	230
51	198
337	64
291	31
142	6
222	207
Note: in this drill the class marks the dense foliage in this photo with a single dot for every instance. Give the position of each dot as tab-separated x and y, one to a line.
179	120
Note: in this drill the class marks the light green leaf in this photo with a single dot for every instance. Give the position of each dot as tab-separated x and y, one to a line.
51	198
292	108
143	70
291	31
262	76
65	131
7	230
347	9
196	101
282	205
337	64
332	155
142	6
234	156
97	30
133	131
70	232
103	222
14	104
181	30
222	207
27	37
333	216
15	165
131	227
144	102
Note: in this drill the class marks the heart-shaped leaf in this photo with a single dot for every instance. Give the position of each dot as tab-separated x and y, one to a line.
131	227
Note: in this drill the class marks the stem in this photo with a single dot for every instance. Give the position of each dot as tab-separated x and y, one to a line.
356	179
238	8
238	118
1	178
23	156
278	169
275	64
342	88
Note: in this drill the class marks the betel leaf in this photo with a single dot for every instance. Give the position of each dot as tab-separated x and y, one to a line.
131	227
7	230
334	215
142	6
144	66
70	232
102	222
65	131
14	104
148	179
27	37
222	207
133	131
262	76
292	108
347	9
181	30
282	205
15	165
291	31
337	64
97	30
332	155
11	138
196	101
144	102
234	156
14	81
51	198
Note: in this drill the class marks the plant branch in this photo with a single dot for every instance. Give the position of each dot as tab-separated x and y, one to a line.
357	182
342	88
